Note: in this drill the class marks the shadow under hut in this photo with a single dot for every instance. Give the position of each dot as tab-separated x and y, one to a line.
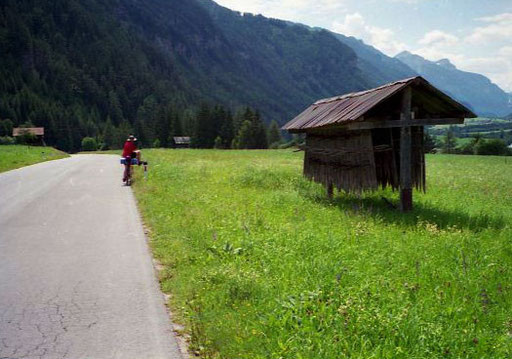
370	139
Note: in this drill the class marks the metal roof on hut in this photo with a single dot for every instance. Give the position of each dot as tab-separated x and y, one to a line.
181	140
36	131
365	140
341	110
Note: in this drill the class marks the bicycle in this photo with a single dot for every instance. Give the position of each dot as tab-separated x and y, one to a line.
128	162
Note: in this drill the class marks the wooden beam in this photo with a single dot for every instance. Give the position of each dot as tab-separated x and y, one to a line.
368	125
330	190
406	153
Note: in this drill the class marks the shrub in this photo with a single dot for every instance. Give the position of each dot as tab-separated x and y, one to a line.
89	144
6	140
26	138
275	145
218	143
156	143
494	147
449	141
6	128
429	143
468	148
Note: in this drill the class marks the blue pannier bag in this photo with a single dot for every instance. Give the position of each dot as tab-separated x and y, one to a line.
134	161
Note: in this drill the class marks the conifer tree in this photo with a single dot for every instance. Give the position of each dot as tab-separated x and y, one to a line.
245	139
108	134
203	131
274	133
121	133
177	127
163	126
6	127
449	141
260	132
227	131
429	144
252	133
189	124
114	108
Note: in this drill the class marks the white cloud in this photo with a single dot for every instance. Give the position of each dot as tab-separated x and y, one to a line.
498	69
505	17
408	1
497	28
294	10
437	45
496	37
439	38
491	65
381	38
506	51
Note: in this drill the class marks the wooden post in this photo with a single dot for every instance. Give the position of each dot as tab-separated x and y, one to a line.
330	190
406	154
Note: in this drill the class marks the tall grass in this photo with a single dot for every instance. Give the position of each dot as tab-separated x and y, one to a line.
16	156
261	265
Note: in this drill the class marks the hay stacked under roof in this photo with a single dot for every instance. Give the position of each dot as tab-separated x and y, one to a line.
364	160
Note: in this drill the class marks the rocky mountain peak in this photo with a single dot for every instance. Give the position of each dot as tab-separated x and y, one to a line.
446	64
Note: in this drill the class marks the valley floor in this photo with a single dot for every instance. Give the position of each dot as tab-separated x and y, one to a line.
261	265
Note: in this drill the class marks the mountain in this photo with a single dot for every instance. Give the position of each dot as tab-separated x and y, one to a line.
102	68
382	68
474	90
74	66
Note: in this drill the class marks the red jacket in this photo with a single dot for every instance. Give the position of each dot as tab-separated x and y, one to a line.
129	148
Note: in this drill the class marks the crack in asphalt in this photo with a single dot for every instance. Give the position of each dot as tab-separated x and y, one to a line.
52	323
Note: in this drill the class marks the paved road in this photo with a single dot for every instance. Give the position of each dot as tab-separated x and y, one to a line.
76	276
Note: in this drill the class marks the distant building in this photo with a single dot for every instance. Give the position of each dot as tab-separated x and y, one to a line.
182	142
34	135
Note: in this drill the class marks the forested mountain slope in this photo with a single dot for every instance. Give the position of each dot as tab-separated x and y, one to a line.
68	65
75	66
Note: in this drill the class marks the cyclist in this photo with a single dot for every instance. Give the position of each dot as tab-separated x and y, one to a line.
129	149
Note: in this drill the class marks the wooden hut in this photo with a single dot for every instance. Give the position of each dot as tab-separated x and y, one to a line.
366	140
35	133
181	142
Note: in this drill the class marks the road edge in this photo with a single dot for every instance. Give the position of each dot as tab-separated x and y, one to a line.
180	335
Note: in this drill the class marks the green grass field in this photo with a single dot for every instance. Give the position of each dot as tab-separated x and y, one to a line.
260	265
12	157
460	141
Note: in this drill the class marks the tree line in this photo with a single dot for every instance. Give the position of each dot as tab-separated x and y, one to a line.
207	127
477	144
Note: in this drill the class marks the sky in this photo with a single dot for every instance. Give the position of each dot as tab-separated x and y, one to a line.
475	35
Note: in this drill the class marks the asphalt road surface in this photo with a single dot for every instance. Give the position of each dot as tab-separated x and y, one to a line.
76	275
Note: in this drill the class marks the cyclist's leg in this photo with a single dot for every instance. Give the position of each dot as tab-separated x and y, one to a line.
129	178
126	169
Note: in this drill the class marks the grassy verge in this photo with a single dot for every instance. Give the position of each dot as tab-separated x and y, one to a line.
12	157
261	265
